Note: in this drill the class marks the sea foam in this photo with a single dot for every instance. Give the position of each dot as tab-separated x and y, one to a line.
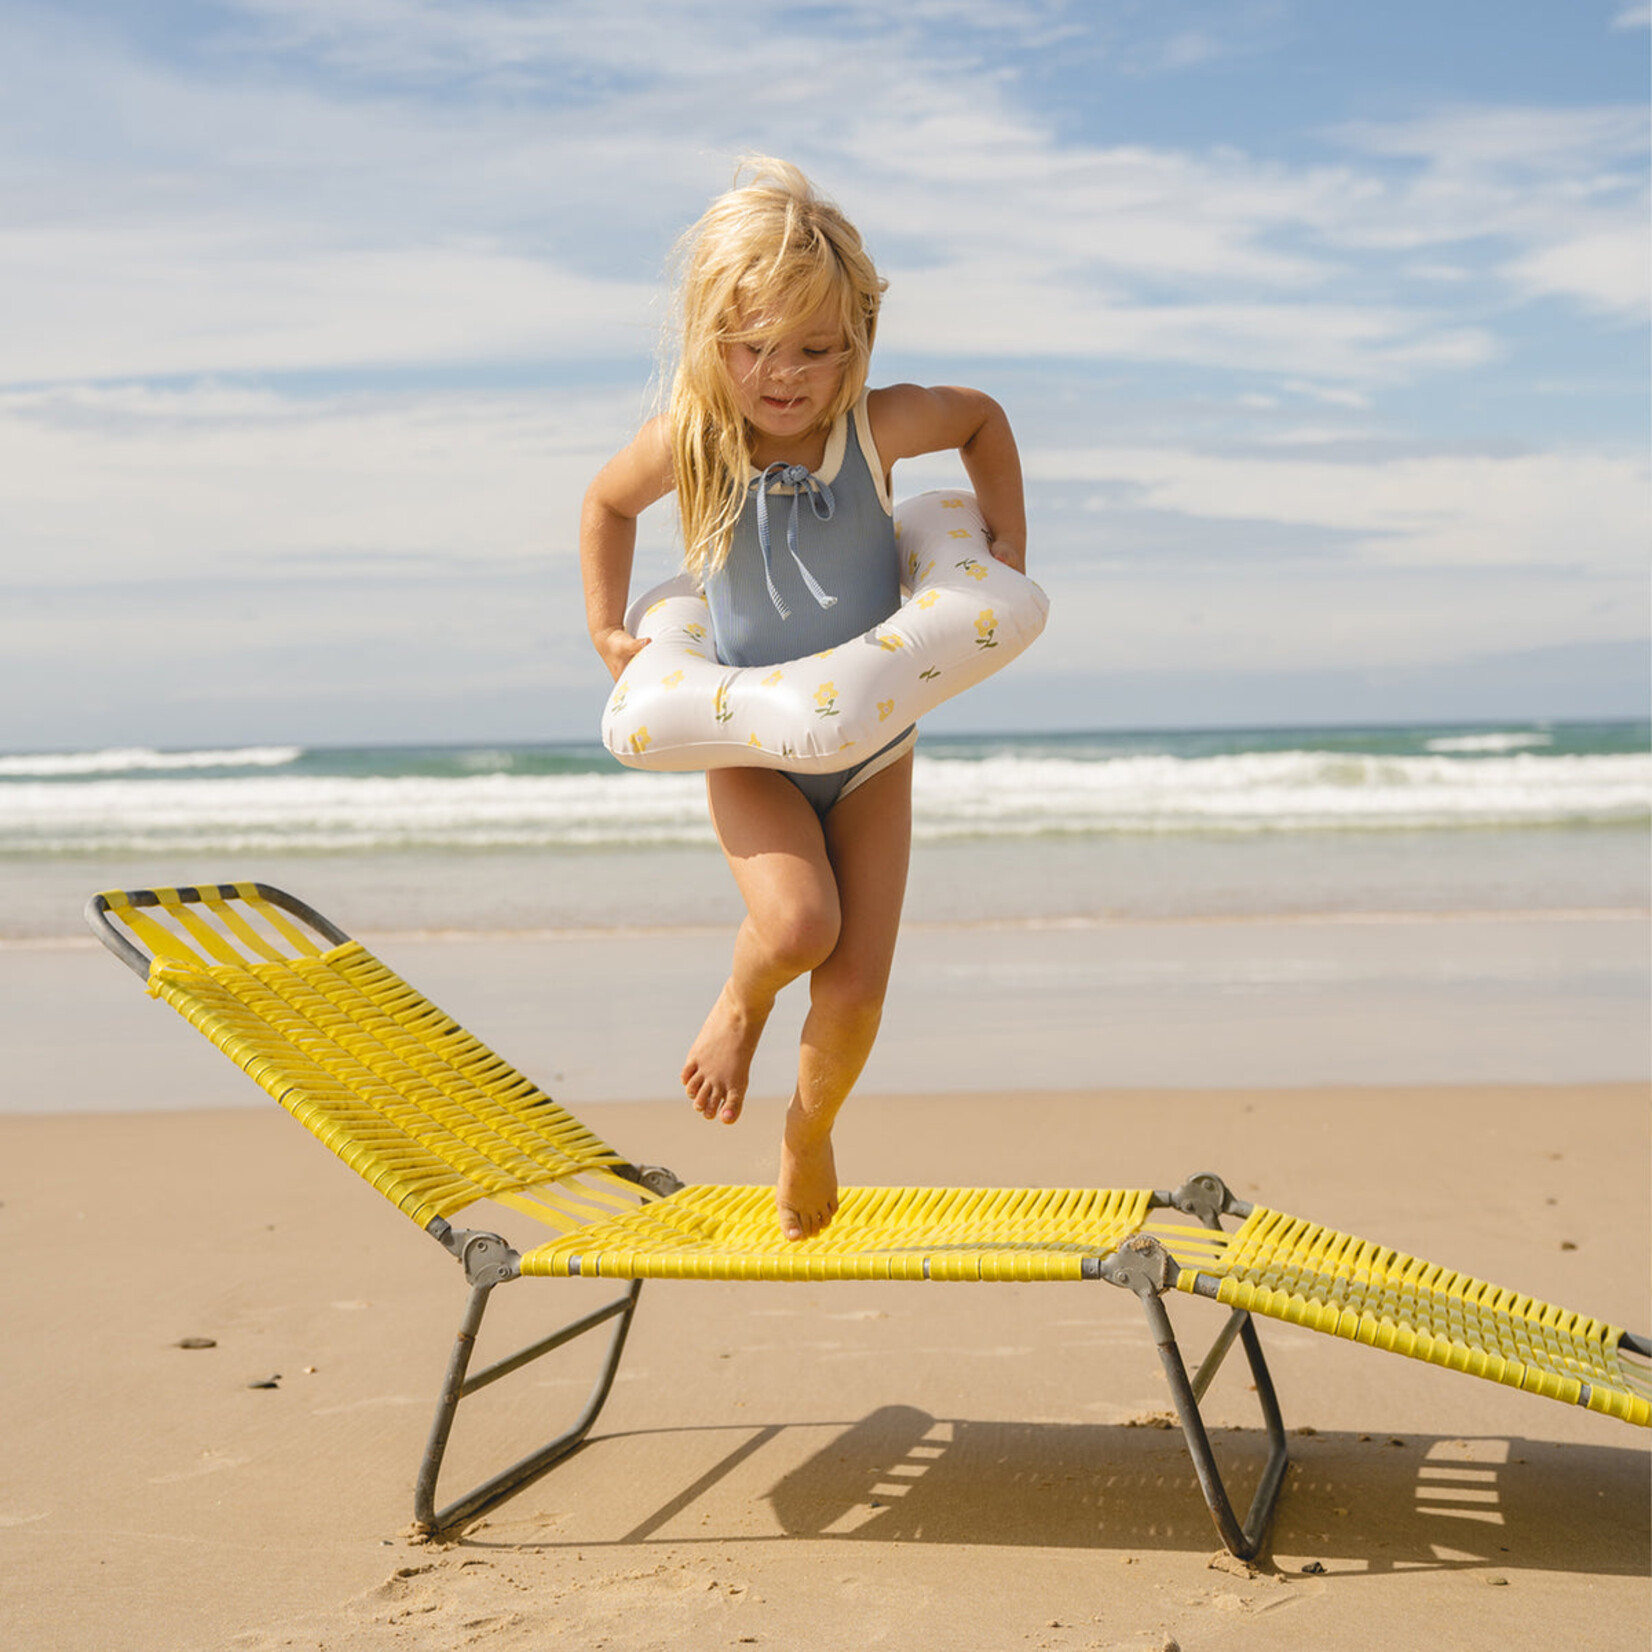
122	802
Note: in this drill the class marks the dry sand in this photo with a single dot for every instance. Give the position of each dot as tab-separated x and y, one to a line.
798	1466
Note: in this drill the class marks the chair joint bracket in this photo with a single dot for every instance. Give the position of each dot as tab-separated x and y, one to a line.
488	1260
1207	1198
1141	1264
654	1178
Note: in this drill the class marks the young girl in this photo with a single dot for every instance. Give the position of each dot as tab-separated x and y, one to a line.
780	458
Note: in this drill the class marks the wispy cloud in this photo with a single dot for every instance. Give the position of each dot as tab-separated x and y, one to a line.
357	293
1569	512
221	482
289	222
125	301
1562	192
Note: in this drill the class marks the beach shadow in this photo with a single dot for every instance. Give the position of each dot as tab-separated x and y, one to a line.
1350	1501
1352	1504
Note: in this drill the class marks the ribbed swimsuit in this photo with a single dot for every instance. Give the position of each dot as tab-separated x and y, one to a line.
812	563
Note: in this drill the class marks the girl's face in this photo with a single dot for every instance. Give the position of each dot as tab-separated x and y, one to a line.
786	383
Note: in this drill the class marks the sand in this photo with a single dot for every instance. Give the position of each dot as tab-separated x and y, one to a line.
821	1467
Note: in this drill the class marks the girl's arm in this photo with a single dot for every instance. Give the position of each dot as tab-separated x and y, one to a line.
624	488
908	420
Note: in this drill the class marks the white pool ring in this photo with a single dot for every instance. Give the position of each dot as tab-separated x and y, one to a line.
676	708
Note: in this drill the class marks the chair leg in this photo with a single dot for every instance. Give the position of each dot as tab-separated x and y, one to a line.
427	1518
1142	1265
1245	1541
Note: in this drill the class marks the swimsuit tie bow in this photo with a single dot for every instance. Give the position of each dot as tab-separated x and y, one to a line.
803	483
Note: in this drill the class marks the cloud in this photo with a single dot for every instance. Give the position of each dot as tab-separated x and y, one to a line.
1577	513
1562	190
1609	268
336	305
1230	620
132	301
1064	319
593	45
1539	141
271	216
131	483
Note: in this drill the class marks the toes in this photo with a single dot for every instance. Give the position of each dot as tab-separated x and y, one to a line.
701	1092
801	1224
733	1102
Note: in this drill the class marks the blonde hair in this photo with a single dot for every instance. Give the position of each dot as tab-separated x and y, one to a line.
775	252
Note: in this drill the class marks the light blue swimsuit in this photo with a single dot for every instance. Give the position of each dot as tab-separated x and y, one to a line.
812	564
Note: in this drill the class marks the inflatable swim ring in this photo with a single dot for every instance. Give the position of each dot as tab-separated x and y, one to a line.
676	707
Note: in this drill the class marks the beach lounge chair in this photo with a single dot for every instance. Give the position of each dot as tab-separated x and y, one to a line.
436	1122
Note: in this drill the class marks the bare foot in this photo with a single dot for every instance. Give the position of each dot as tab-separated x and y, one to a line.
806	1196
719	1060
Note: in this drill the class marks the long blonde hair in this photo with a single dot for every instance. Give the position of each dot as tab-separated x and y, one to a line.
774	249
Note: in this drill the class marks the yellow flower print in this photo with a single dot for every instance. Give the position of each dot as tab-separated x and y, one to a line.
719	704
986	629
774	679
959	533
952	504
673	681
975	570
826	700
891	642
640	741
885	708
929	599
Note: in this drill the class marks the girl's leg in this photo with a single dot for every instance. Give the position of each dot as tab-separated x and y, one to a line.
868	842
777	852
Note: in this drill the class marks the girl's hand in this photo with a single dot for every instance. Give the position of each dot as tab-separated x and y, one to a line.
618	648
1008	552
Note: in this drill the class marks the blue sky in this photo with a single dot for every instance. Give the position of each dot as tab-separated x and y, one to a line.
1323	328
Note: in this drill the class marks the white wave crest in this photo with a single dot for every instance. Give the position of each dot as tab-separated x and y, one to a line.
135	759
341	813
1277	791
1464	743
1004	795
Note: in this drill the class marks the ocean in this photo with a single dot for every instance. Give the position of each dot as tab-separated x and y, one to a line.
1042	828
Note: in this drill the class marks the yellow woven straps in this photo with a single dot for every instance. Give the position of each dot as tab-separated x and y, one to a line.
408	1099
1309	1275
210	925
937	1233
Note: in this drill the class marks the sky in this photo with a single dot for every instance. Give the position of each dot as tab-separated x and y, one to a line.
1323	328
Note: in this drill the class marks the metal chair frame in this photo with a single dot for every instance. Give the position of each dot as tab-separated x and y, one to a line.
1139	1263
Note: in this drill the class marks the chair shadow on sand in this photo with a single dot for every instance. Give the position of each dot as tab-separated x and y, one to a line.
1374	1500
1355	1503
